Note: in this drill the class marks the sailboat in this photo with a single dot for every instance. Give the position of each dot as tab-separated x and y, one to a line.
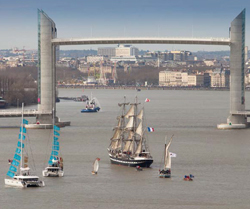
166	171
91	106
128	145
96	166
19	172
55	163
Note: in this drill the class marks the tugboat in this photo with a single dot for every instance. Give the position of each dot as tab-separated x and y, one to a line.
128	145
91	106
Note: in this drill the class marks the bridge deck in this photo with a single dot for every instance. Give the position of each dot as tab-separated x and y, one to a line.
26	113
144	40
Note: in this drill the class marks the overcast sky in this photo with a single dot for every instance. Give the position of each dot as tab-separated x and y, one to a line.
121	18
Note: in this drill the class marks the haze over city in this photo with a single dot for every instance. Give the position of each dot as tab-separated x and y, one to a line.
121	19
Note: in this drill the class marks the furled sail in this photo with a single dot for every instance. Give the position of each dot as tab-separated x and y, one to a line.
131	111
55	146
17	157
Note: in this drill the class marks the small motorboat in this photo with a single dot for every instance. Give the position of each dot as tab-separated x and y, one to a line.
138	168
188	178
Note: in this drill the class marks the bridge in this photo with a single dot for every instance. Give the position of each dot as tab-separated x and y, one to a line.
142	40
26	113
48	44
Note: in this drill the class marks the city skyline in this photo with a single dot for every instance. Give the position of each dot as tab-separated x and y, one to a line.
83	19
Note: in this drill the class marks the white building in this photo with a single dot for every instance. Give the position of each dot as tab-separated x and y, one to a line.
126	51
173	78
93	59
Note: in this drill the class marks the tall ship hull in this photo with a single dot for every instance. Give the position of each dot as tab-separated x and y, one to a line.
131	162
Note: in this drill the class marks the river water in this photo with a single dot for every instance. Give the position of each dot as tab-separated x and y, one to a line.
219	159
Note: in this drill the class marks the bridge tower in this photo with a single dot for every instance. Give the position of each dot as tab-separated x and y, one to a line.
237	117
46	67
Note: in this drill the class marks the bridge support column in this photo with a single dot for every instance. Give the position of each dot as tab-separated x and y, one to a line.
46	84
237	74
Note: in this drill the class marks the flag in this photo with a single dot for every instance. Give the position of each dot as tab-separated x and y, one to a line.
172	154
150	129
147	100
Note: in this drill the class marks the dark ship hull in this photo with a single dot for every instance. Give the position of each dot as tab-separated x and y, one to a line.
146	162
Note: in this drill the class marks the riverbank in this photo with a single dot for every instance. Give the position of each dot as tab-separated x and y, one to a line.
138	88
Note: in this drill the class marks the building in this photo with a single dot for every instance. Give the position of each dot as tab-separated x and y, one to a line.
126	51
94	59
172	78
220	78
106	51
196	80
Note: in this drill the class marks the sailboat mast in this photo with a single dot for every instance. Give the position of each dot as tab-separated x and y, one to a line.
21	163
123	122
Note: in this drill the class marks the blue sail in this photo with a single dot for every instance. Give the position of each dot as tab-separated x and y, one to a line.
55	153
55	148
18	151
15	163
56	133
12	168
10	174
55	138
25	121
56	143
23	129
19	144
56	128
17	157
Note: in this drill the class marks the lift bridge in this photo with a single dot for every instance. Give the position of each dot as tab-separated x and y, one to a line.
48	47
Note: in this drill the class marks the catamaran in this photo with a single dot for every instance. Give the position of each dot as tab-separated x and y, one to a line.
55	163
128	145
166	171
19	171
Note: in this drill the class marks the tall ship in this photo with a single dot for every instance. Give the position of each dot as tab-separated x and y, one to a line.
128	145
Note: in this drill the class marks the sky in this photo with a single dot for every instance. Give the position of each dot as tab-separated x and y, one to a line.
122	18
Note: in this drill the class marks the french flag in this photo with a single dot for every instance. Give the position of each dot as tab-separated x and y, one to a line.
150	129
147	100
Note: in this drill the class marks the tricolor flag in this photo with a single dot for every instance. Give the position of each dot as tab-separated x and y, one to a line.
150	129
147	100
172	154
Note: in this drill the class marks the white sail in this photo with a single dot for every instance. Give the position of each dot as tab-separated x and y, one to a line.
167	159
96	165
115	139
139	147
139	129
128	145
140	115
130	124
131	111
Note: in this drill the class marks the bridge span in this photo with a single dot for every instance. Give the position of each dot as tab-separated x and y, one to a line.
26	113
141	40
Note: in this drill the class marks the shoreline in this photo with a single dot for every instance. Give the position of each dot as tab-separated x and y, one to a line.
138	88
